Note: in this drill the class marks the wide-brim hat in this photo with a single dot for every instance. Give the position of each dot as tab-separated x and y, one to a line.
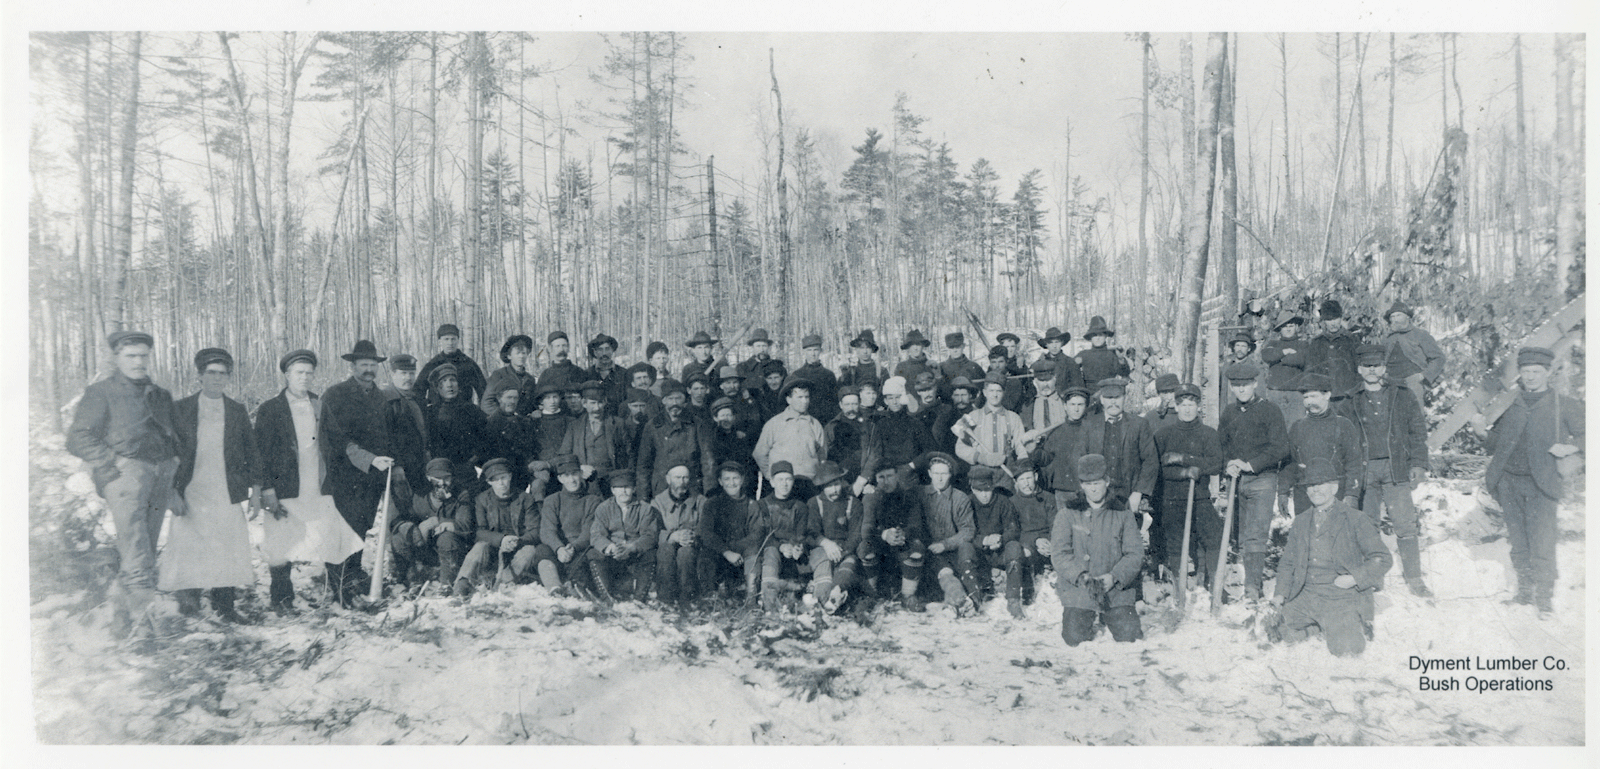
295	356
601	339
1098	327
513	341
865	339
1318	470
364	350
727	372
1054	333
212	355
1288	317
119	338
759	335
828	472
914	336
699	338
1242	336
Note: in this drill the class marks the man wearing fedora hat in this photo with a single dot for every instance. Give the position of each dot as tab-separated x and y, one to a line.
1285	358
1529	443
793	436
824	385
760	354
1066	369
514	375
1330	567
602	350
956	362
1097	553
1099	361
865	367
702	357
561	371
1393	436
359	450
468	374
1414	355
124	430
915	347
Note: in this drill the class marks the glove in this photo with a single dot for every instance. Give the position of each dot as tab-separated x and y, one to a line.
508	543
1191	472
1172	458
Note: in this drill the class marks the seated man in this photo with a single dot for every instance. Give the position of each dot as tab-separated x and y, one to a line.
622	541
679	508
565	519
1097	552
996	540
893	534
1331	566
424	532
1036	510
948	516
504	521
834	561
791	534
730	533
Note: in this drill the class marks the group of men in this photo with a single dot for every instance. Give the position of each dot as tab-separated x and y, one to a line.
809	484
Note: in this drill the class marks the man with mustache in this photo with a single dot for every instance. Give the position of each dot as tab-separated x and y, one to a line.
358	450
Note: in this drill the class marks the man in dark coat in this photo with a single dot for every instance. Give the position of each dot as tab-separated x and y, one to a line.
1322	433
1036	511
1068	374
1394	451
1059	449
1255	444
600	443
510	436
1190	452
1333	352
1128	445
760	354
622	542
468	373
824	385
936	415
846	434
1019	389
408	421
124	431
670	439
896	439
730	534
425	531
565	520
514	375
915	347
730	440
359	450
602	350
1163	412
894	534
1096	551
1414	355
1332	564
956	363
1099	362
996	539
678	509
703	359
1286	358
458	429
561	372
767	390
1530	442
504	521
864	368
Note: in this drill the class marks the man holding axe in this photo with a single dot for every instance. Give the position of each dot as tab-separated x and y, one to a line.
1190	452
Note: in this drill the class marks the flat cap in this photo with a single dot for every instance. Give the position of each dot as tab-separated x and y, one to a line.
1167	383
1044	368
1242	372
926	381
1535	356
1079	391
780	466
1004	335
999	351
1371	355
295	356
981	478
1188	390
440	468
721	403
554	335
403	362
1112	387
963	383
730	466
447	329
1313	382
117	339
496	467
1400	307
620	479
444	369
212	355
593	389
811	340
673	386
568	464
1318	470
727	372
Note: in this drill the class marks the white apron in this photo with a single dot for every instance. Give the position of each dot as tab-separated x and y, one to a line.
210	546
312	529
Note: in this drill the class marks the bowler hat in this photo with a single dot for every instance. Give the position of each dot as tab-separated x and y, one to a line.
1287	317
513	341
364	350
440	468
1313	382
1043	368
963	383
495	467
811	340
865	339
828	472
699	338
447	329
1535	356
1167	383
780	466
955	339
727	372
1371	355
403	362
981	478
1054	333
438	374
1400	307
601	339
1318	470
1091	467
1331	309
620	479
1004	335
117	339
1242	372
295	356
212	355
1187	390
1098	327
554	335
759	335
914	336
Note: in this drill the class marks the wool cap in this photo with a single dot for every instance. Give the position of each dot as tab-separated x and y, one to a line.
1318	470
1091	467
780	466
955	339
1167	383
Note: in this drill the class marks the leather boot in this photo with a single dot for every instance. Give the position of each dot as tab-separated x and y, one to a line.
955	596
602	583
280	590
189	602
222	603
1542	598
1014	590
1411	566
1254	566
1524	594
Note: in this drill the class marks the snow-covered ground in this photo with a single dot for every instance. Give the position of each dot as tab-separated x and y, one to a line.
522	666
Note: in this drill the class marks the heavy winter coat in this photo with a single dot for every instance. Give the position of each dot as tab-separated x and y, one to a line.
566	518
731	524
1199	446
634	528
1087	543
118	417
1331	437
1356	548
1254	432
355	430
665	443
493	518
1406	429
1095	364
948	516
1533	427
508	378
468	374
1286	361
1131	461
1414	351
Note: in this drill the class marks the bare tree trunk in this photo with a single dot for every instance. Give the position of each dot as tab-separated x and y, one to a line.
1144	162
477	63
127	145
1228	233
86	254
1192	285
1288	180
717	299
1391	195
1523	241
278	259
784	248
1569	162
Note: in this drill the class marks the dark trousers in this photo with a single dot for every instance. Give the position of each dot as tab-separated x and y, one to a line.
1205	533
627	577
1007	559
879	558
715	570
575	571
1531	528
410	547
1034	564
677	572
1377	493
1336	611
1078	625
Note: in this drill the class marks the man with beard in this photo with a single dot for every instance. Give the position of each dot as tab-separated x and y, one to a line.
358	449
1414	355
730	534
1394	450
1019	389
565	520
599	442
1322	434
915	348
963	396
760	354
1058	452
510	436
458	428
679	509
746	414
1254	444
1097	553
1333	352
469	377
512	376
561	372
1100	362
408	421
602	349
702	359
670	439
425	532
824	385
845	434
640	377
896	439
864	368
730	442
1190	451
936	416
956	363
794	437
835	561
893	535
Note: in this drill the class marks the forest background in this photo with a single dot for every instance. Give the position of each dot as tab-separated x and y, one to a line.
331	186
